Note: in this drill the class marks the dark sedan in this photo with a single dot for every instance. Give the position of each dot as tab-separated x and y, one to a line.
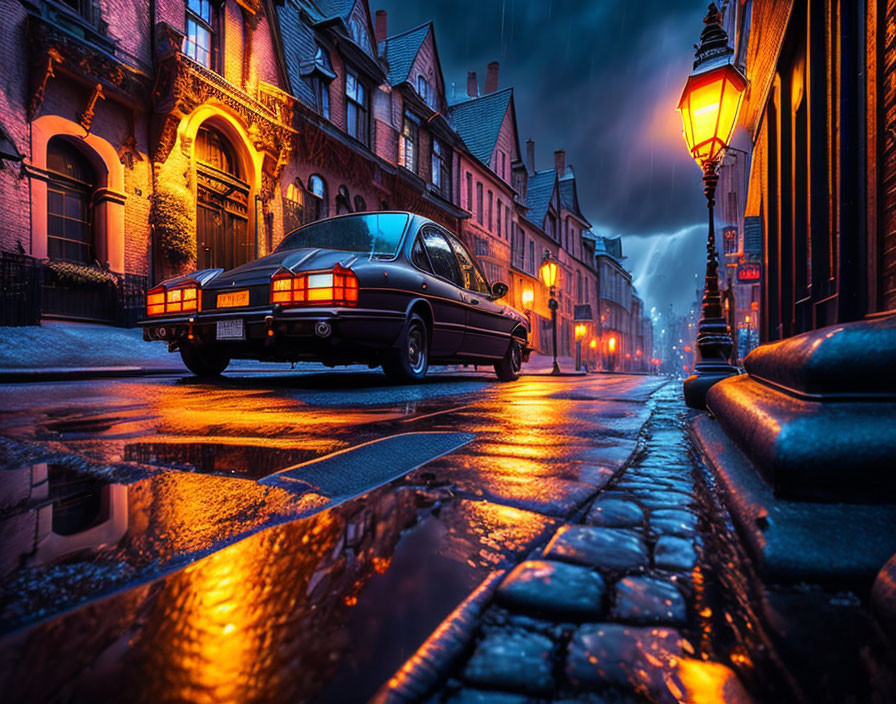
391	289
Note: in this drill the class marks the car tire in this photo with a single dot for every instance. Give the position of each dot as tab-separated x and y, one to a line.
204	361
407	363
508	369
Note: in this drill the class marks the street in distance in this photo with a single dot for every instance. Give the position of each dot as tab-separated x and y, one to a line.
390	288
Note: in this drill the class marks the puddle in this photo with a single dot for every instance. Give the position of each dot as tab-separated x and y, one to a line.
320	609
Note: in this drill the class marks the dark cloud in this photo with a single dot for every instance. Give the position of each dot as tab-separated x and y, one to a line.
600	79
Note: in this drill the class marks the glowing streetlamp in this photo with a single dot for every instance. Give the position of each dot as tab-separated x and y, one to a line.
528	298
548	272
709	106
581	330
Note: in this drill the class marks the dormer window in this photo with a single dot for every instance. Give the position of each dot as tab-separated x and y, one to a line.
359	33
425	91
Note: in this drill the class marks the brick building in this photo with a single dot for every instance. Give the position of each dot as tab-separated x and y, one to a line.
140	140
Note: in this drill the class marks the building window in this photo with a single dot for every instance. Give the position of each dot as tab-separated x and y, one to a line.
83	7
469	191
359	33
360	205
499	217
441	169
69	192
343	201
503	166
408	144
578	286
319	206
425	90
293	207
356	110
479	208
320	86
490	213
531	268
200	42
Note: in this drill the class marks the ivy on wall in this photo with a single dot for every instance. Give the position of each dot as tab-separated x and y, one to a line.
172	216
70	273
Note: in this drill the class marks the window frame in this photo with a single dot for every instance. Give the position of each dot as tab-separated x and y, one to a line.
409	124
211	25
441	233
362	107
456	244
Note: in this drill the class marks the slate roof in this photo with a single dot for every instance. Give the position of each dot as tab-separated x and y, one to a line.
538	195
401	50
478	122
298	45
321	10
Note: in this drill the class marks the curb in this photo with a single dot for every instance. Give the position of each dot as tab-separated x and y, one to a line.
21	376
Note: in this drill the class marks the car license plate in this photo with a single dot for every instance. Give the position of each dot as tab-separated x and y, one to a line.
233	299
231	330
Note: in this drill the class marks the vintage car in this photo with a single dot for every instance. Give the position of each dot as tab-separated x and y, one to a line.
388	288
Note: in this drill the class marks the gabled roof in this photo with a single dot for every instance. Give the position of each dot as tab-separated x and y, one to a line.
323	10
478	122
400	51
539	194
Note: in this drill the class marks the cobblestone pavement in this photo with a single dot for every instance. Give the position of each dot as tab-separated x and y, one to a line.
614	607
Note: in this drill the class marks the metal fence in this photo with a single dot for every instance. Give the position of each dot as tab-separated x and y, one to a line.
30	291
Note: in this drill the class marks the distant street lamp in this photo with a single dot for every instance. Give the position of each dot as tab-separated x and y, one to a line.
709	106
548	272
581	329
611	353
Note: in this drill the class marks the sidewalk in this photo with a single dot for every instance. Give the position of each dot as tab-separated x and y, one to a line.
59	350
618	605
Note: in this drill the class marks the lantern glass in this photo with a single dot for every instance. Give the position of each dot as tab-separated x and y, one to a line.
709	107
528	297
548	272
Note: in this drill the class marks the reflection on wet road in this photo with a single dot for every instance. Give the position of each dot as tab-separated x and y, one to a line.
139	544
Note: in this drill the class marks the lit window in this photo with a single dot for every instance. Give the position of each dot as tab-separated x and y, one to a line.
69	192
199	43
408	156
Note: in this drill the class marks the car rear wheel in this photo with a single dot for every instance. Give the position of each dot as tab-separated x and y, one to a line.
409	361
204	360
508	369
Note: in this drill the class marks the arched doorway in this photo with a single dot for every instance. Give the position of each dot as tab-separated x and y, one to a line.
222	204
70	190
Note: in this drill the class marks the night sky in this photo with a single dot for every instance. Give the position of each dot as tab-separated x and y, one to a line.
601	80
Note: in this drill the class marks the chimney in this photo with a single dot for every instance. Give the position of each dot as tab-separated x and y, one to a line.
380	29
530	156
491	78
472	84
560	162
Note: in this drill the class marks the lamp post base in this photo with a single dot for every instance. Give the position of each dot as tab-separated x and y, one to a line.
556	369
697	385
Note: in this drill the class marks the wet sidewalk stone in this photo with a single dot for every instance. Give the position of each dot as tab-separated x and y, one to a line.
594	546
674	553
625	656
673	522
516	661
554	588
613	512
649	600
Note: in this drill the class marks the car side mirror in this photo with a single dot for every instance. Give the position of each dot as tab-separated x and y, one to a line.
499	290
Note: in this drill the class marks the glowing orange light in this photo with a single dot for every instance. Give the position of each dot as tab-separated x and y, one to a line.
628	355
593	344
339	287
747	319
581	329
687	348
709	106
528	297
183	298
611	344
637	353
548	271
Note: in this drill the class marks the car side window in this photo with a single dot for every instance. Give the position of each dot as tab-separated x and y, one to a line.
418	256
473	279
442	257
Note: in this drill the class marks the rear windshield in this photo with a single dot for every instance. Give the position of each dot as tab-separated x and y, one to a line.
375	234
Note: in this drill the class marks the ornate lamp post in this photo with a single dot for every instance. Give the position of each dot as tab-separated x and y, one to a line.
709	106
548	272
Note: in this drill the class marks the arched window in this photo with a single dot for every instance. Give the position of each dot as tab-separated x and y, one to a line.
343	204
69	193
360	205
294	211
319	205
213	149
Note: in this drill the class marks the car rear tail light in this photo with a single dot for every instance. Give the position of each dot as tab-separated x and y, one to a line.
338	287
180	299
